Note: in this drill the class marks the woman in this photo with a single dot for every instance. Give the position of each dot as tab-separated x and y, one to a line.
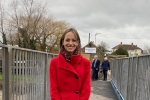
70	72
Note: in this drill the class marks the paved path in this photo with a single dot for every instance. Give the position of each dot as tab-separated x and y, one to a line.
102	90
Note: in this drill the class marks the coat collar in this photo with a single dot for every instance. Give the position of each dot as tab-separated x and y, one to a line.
75	60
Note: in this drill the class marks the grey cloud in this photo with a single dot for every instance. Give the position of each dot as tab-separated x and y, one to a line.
117	20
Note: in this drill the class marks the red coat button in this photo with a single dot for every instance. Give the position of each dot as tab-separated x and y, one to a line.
77	77
77	92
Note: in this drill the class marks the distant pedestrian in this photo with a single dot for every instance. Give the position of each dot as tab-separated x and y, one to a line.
95	68
105	67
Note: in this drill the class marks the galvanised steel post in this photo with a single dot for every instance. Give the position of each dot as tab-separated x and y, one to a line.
7	61
45	75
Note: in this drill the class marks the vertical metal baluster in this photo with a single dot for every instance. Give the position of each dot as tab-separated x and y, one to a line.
30	85
17	74
13	72
28	79
23	74
26	75
3	71
45	75
33	69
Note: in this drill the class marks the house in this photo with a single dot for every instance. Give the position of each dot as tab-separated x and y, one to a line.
132	49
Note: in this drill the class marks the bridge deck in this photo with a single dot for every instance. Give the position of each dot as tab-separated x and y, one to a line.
102	90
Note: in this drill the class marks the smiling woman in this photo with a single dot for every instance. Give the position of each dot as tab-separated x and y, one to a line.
70	42
69	72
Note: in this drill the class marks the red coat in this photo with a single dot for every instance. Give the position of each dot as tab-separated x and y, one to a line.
69	81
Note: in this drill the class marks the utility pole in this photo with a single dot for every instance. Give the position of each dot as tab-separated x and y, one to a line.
95	37
89	38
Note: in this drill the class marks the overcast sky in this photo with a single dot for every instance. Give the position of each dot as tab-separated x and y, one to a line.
126	21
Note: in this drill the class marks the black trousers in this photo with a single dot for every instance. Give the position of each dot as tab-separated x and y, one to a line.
105	74
94	74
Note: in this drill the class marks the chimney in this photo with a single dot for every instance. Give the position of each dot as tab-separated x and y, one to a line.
131	43
121	43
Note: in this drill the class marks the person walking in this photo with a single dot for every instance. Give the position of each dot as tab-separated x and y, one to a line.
69	72
105	68
95	68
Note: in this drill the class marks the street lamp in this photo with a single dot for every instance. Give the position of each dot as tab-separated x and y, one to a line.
95	37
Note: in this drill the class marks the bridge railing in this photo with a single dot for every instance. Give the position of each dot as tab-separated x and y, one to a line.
131	77
24	74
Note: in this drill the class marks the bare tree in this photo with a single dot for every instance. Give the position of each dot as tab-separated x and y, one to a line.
32	28
58	29
146	49
25	24
103	46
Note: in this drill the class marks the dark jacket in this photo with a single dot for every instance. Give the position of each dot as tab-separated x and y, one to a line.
97	64
106	65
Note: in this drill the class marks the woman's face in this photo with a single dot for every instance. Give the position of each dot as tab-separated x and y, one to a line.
70	42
